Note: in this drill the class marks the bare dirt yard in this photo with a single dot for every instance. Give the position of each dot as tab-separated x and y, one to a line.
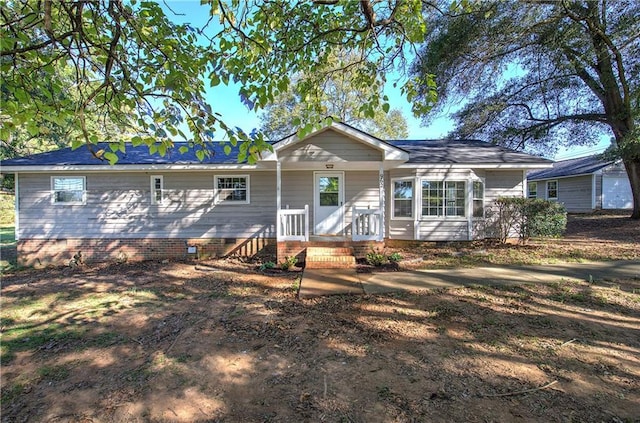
222	341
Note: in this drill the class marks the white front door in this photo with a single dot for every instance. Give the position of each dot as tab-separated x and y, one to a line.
328	203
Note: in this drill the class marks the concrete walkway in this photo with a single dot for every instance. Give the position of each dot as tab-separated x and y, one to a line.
317	282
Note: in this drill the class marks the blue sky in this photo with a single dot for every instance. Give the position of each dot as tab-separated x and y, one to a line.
225	99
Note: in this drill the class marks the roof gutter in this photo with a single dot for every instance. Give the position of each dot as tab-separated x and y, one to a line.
477	166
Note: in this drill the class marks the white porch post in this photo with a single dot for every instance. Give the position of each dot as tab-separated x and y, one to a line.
381	188
469	210
278	197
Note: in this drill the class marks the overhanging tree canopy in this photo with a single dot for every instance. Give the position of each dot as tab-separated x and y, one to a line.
334	96
541	74
149	75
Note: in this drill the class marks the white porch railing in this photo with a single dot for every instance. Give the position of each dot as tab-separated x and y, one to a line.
366	225
293	224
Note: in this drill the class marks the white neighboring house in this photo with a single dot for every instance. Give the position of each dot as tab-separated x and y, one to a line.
336	185
583	185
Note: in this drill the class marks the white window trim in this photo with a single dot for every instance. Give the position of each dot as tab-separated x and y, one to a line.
529	190
443	217
393	198
484	191
216	192
69	203
547	190
152	180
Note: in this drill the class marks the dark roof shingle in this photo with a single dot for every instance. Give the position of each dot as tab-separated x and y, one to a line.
138	155
463	152
467	152
579	166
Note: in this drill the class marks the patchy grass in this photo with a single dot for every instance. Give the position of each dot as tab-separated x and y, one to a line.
52	321
167	342
7	235
7	210
593	237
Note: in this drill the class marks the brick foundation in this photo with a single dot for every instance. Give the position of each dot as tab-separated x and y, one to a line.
40	252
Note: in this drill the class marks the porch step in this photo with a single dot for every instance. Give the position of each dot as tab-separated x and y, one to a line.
329	258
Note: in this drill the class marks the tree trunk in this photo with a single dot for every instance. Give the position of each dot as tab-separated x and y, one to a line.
633	170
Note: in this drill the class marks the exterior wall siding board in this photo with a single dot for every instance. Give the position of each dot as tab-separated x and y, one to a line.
187	212
329	146
598	191
507	183
297	191
575	193
361	191
444	230
503	184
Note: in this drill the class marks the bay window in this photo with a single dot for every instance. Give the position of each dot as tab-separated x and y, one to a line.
443	198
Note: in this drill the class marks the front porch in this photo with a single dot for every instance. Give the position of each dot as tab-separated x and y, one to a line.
328	251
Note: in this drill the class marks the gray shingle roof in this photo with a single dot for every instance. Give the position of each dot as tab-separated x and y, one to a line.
420	151
138	155
579	166
463	152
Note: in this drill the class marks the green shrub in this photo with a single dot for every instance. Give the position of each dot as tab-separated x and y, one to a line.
529	217
376	258
267	265
395	257
544	219
288	263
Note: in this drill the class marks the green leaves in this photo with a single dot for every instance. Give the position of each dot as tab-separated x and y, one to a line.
126	72
336	92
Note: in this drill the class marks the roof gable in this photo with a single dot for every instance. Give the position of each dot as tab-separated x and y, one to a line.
389	151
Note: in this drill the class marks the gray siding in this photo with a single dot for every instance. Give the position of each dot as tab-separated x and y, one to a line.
329	146
598	191
574	192
503	183
361	191
297	191
119	206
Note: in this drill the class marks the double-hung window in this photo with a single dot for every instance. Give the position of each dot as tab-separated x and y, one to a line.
403	198
443	198
532	190
552	190
157	189
478	199
231	189
68	190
